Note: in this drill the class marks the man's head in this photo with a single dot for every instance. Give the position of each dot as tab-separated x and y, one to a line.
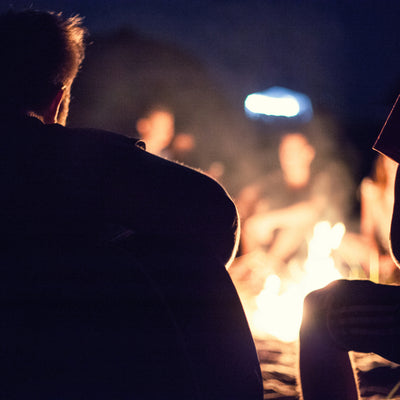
41	53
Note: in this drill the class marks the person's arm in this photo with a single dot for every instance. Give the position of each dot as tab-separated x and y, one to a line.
156	197
261	227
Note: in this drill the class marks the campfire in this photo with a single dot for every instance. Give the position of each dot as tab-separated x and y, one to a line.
279	306
275	316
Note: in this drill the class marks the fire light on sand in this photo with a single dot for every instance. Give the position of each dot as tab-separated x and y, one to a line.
280	304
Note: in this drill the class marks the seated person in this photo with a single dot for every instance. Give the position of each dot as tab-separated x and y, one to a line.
377	198
279	212
352	315
113	278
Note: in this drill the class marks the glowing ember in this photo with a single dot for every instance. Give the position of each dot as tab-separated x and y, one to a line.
279	310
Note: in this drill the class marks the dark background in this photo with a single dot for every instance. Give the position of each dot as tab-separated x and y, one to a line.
204	57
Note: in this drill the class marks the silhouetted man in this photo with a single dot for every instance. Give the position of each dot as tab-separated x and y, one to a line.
113	280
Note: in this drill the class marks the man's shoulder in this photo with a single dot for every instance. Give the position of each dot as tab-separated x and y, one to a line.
30	130
93	136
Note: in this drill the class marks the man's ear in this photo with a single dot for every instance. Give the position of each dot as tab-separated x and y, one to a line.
50	115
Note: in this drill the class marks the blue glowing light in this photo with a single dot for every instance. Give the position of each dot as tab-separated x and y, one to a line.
278	102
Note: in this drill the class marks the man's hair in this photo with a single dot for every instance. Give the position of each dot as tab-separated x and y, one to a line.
40	53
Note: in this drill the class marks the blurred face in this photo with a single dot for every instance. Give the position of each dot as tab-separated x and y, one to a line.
295	154
157	130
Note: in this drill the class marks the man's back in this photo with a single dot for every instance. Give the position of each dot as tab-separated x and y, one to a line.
87	324
101	295
113	280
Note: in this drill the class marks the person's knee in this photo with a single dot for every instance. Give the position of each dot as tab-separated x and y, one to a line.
311	304
317	301
316	306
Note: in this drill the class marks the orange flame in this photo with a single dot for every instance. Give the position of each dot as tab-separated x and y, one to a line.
279	311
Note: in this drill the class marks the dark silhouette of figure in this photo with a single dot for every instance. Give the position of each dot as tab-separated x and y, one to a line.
113	260
350	315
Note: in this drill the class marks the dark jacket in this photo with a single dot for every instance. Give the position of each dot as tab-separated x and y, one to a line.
113	280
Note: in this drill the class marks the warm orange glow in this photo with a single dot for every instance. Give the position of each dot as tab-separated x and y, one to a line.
280	304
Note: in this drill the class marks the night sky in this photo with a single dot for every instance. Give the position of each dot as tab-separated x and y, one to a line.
344	54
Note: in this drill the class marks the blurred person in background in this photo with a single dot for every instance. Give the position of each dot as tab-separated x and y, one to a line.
377	199
367	251
156	127
279	213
